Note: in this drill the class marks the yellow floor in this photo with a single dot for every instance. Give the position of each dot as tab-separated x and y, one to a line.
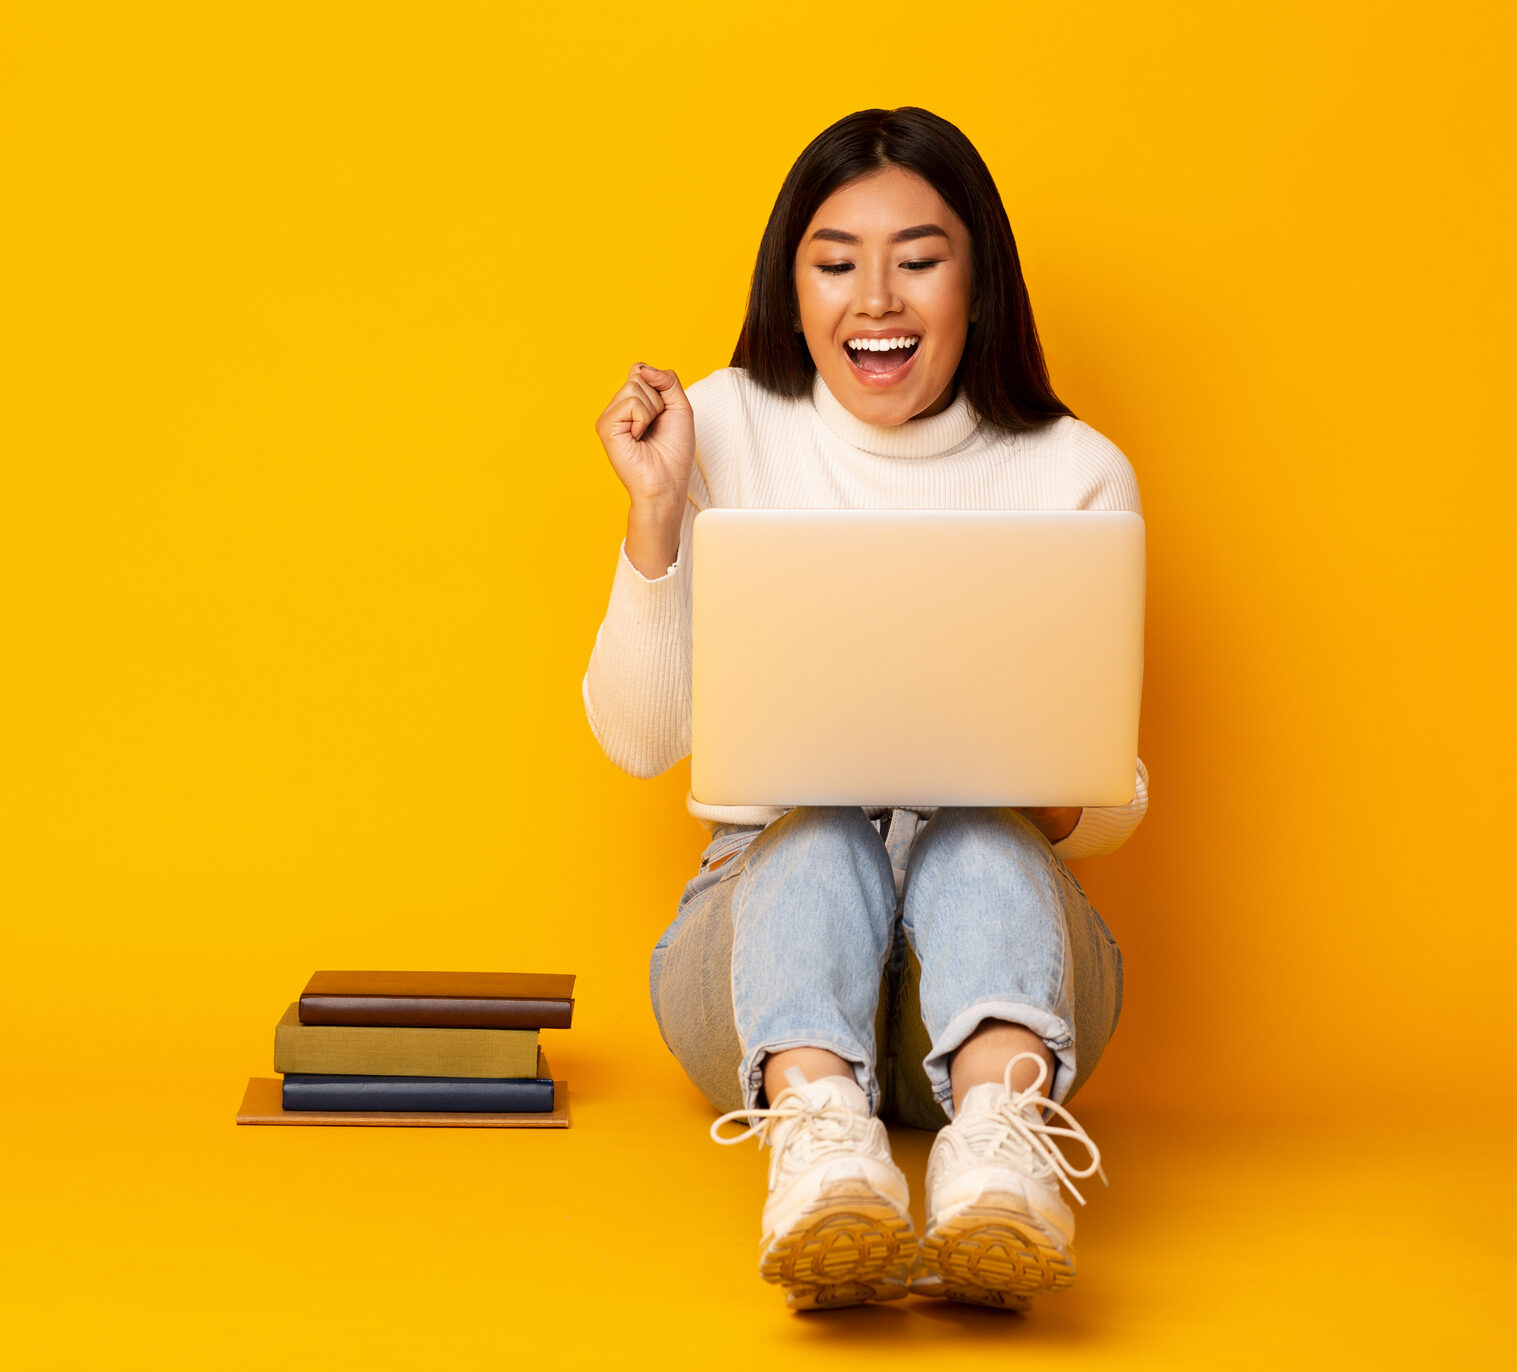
152	1232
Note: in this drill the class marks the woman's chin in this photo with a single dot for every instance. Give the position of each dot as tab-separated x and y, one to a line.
880	411
886	408
877	404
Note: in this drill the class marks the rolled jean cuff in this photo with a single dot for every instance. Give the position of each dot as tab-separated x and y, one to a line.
751	1071
1055	1033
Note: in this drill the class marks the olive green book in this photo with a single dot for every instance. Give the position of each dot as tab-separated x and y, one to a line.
402	1051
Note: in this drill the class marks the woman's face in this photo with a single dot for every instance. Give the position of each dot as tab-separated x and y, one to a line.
884	257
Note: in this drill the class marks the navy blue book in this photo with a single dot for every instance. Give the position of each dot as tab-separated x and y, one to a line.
468	1095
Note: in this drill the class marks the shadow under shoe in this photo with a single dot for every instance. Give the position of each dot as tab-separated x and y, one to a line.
998	1232
836	1227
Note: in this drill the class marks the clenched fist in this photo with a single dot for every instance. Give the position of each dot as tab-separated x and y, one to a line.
648	432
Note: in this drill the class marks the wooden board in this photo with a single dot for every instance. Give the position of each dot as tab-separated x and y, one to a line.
263	1103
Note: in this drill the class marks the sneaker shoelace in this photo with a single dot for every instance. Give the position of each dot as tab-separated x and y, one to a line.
1018	1126
821	1127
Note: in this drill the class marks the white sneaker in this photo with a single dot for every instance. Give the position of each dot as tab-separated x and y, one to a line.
998	1231
837	1230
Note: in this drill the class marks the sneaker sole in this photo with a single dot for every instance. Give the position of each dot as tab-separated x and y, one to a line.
993	1252
849	1246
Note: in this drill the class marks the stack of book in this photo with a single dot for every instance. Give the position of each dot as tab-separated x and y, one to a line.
417	1047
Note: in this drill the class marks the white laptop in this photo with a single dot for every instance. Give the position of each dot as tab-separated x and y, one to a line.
916	657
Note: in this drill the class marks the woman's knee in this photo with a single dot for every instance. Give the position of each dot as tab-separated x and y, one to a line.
832	835
986	820
840	823
958	832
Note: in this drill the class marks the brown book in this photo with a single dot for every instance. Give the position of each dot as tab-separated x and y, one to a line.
465	1000
388	1050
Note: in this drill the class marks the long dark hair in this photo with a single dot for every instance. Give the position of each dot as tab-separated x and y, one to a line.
1002	371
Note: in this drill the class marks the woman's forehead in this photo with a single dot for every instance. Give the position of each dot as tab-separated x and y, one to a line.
882	204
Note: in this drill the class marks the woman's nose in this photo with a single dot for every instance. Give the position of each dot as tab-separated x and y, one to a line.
875	293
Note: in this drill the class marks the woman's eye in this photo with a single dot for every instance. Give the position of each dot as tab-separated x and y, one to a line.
835	268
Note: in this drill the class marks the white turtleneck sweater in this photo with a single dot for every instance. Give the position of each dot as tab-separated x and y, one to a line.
756	450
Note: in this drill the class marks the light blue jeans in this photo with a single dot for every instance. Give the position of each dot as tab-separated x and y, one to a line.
888	946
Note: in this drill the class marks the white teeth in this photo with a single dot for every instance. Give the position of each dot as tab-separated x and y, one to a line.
880	345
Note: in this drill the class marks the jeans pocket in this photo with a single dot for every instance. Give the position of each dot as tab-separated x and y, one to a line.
730	840
718	861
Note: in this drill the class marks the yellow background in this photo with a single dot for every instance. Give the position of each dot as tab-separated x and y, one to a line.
308	313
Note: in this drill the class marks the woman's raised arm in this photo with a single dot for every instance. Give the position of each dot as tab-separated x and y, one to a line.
636	688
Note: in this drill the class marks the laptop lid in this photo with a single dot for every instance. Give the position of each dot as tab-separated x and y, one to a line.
916	657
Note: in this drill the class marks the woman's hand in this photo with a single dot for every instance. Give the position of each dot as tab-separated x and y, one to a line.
648	432
1052	821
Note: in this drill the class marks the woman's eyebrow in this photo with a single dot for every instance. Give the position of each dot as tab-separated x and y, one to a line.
905	235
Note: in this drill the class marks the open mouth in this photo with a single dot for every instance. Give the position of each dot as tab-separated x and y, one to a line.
882	361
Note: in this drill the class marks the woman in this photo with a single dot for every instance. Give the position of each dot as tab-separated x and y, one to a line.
830	966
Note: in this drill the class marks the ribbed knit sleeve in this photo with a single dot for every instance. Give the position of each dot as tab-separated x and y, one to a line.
637	686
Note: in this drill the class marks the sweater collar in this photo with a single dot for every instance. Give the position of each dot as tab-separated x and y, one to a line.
930	437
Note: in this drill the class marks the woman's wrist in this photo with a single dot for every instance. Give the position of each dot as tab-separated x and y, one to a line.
653	529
